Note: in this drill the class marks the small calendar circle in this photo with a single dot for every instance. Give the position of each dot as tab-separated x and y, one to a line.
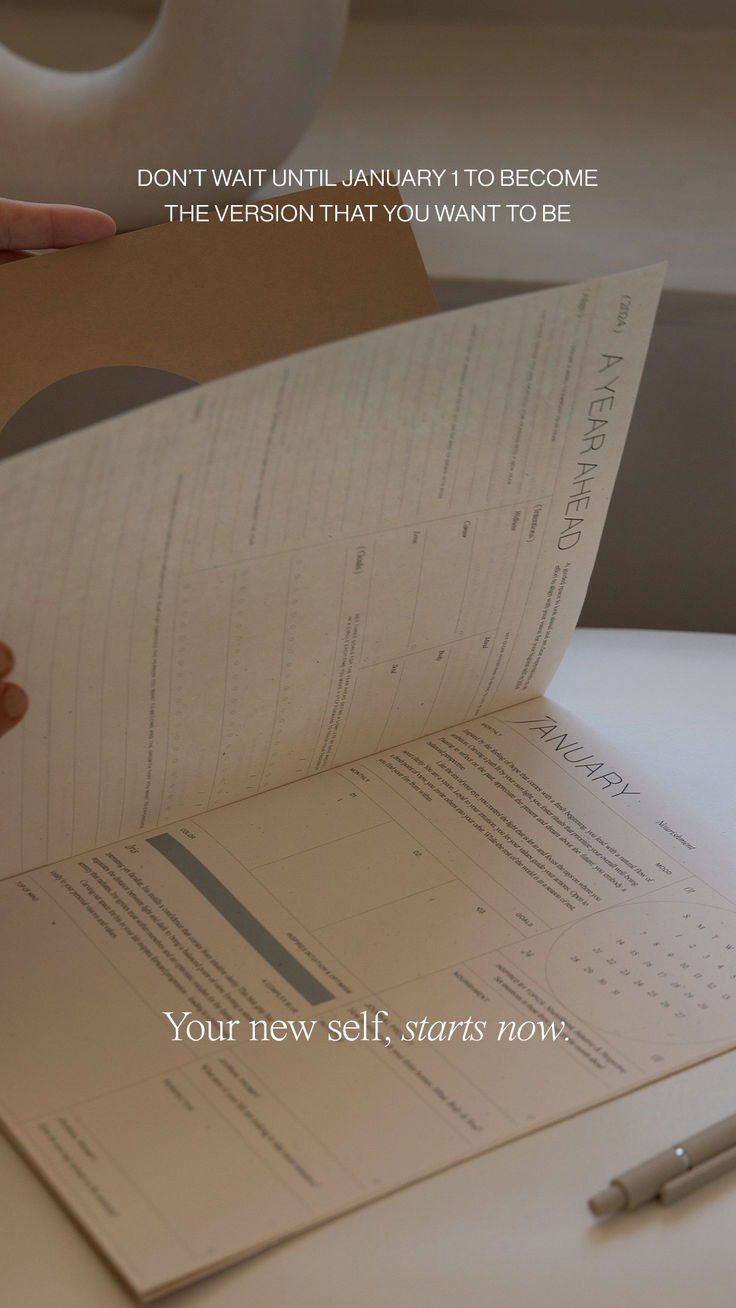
661	971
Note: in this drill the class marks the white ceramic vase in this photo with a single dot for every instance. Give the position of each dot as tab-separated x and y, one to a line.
216	84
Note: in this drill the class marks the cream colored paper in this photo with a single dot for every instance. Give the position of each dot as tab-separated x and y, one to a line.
307	562
251	605
514	870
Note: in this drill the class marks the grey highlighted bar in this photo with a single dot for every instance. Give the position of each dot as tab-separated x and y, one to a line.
238	916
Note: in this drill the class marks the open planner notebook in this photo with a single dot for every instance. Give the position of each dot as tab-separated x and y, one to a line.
288	778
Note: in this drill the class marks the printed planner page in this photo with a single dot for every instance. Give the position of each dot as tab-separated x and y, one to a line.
307	562
234	1027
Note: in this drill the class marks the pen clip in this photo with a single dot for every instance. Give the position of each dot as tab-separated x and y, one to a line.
710	1170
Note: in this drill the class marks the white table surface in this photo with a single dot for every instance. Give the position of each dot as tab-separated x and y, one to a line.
509	1228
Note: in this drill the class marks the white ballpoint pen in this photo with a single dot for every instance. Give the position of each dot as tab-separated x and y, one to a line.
674	1173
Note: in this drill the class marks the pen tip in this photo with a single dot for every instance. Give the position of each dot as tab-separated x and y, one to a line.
610	1200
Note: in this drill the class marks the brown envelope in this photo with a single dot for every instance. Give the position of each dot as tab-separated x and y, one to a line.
98	329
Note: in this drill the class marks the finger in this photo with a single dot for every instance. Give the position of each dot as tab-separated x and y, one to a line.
7	659
13	704
54	226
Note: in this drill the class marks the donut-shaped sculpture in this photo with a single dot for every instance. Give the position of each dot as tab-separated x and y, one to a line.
230	84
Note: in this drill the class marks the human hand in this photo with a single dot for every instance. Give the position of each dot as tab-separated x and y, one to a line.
13	700
25	226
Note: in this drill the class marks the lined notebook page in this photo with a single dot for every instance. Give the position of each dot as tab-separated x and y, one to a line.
307	562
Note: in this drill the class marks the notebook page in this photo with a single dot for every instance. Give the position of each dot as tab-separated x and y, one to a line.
370	974
307	562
